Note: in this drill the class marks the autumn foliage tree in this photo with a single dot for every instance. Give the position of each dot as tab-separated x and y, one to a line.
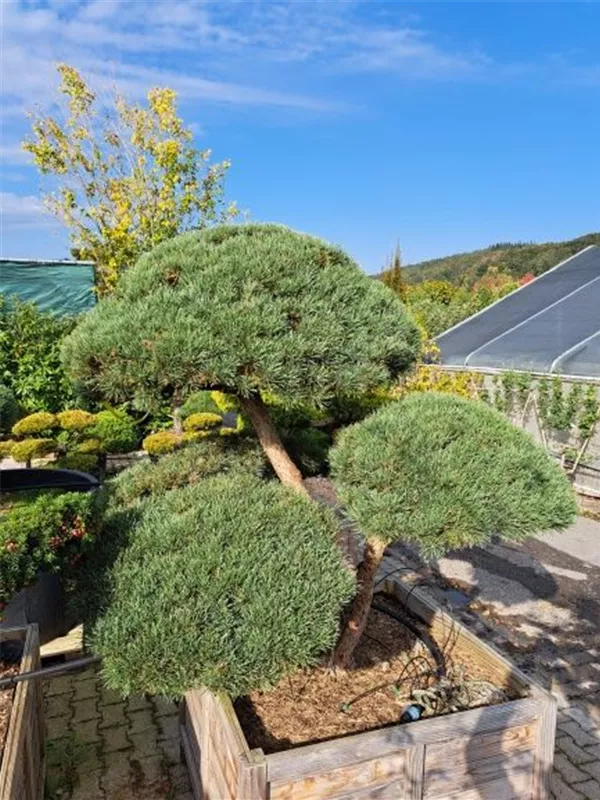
126	176
249	310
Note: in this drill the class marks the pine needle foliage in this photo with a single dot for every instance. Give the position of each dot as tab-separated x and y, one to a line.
442	472
229	584
243	309
185	467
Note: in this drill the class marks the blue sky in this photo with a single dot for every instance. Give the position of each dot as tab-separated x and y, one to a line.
446	126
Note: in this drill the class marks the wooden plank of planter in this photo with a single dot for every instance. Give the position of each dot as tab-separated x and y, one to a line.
502	751
22	767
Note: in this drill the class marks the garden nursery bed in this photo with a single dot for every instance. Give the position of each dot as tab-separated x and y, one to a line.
297	743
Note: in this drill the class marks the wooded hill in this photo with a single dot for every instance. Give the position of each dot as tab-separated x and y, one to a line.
516	259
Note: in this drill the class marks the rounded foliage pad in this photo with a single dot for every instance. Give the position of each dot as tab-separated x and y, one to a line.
442	472
242	308
229	584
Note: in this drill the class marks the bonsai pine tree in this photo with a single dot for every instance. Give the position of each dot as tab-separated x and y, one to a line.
247	310
441	472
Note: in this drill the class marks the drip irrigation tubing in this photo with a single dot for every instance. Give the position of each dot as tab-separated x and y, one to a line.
423	636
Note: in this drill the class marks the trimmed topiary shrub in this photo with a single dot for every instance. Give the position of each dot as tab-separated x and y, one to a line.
83	462
201	421
248	310
199	403
40	422
28	449
42	532
441	472
157	444
6	448
89	447
75	419
184	467
9	409
242	580
116	430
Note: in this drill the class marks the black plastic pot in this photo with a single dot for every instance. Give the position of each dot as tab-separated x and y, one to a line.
43	603
69	480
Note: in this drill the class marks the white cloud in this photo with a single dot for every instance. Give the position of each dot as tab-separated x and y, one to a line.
13	154
23	211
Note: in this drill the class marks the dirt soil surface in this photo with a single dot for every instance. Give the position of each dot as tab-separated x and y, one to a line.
6	701
391	668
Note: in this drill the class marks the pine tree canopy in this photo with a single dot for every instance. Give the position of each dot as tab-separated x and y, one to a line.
245	309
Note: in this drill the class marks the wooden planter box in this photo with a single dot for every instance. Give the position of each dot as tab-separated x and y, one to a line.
493	753
22	766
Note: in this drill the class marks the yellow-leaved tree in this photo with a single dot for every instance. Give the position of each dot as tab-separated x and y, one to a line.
127	176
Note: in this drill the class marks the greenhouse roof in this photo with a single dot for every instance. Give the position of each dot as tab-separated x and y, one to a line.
550	325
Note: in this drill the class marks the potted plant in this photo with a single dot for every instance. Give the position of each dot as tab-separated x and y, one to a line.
257	311
43	536
21	717
234	587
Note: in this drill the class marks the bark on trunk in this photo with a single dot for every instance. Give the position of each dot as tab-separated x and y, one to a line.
359	612
285	469
177	421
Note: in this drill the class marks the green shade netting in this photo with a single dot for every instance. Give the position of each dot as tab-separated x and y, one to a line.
61	287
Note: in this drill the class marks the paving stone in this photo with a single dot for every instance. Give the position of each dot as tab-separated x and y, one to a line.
180	779
140	721
87	732
582	656
169	727
91	790
117	780
58	705
594	751
151	769
581	718
171	750
86	688
145	744
569	771
137	702
57	727
164	707
113	715
114	739
88	758
589	789
61	685
561	791
576	732
85	710
593	768
575	754
108	697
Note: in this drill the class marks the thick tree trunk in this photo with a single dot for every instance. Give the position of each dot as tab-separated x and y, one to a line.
357	620
285	469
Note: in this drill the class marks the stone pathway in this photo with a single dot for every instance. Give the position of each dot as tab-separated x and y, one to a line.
100	747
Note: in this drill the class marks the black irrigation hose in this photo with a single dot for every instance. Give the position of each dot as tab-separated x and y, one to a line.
49	672
422	635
